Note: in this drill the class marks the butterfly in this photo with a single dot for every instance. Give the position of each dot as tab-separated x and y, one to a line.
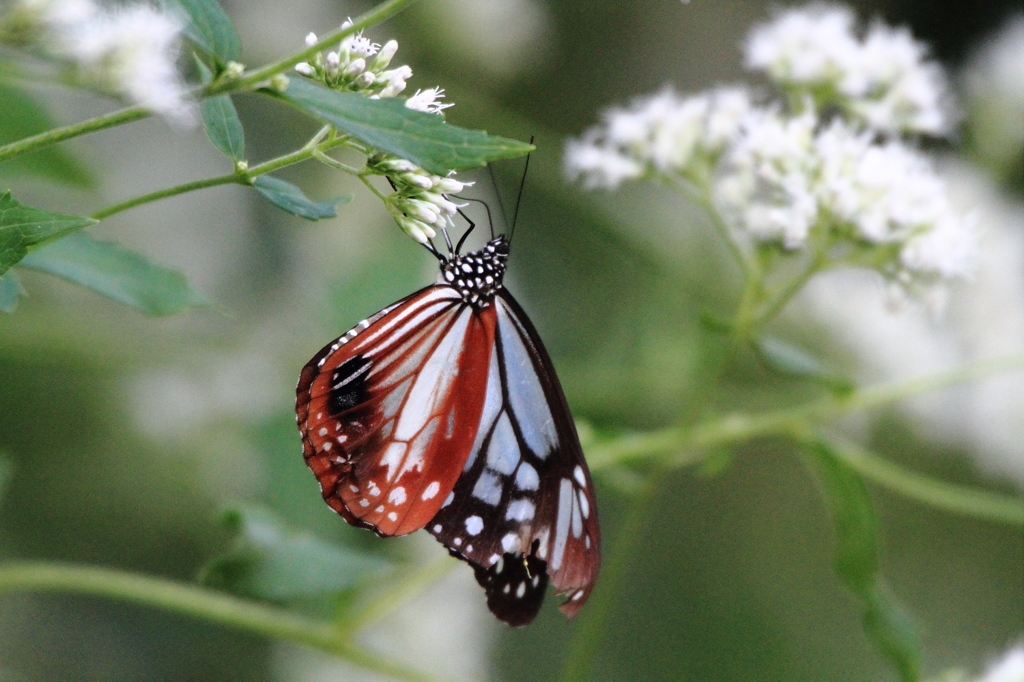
443	411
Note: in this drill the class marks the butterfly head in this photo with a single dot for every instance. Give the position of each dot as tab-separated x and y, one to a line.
477	276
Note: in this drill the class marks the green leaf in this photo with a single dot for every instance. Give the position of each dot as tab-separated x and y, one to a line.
24	227
23	117
209	28
271	561
6	469
886	623
290	198
786	359
10	291
388	125
115	272
220	120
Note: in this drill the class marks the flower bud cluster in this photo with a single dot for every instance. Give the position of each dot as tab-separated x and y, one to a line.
358	65
419	204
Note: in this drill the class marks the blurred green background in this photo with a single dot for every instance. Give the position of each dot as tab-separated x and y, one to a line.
127	434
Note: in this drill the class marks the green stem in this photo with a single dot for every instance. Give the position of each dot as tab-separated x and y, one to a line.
198	602
679	446
977	503
395	595
241	178
787	293
52	137
163	194
29	144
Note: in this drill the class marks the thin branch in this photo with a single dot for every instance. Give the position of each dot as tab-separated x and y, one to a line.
198	602
980	504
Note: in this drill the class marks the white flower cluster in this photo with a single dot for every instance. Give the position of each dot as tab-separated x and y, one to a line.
419	203
845	187
130	50
883	79
359	65
664	134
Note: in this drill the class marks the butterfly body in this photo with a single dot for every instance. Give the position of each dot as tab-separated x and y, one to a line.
443	412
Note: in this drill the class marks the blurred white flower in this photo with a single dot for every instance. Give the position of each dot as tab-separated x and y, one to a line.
994	81
883	79
984	319
766	187
663	133
1010	668
129	50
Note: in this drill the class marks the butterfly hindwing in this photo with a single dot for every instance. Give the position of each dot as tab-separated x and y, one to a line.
523	510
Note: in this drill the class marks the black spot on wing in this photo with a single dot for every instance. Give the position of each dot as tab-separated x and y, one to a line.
515	586
348	385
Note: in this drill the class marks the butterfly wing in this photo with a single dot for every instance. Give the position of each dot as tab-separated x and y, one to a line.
389	411
523	512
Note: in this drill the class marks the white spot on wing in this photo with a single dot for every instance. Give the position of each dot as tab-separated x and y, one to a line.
431	490
520	510
488	488
437	528
393	516
510	543
521	590
577	473
503	450
565	507
584	504
448	500
474	524
397	496
527	478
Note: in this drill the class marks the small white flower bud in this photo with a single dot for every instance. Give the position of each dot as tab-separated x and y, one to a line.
415	179
421	210
393	88
279	82
356	67
241	166
346	24
333	62
234	70
448	186
305	69
311	39
399	166
415	228
384	56
439	201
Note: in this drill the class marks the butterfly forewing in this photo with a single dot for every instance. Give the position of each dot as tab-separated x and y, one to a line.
388	412
523	510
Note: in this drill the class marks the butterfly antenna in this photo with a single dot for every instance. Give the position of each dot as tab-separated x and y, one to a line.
458	247
497	194
522	185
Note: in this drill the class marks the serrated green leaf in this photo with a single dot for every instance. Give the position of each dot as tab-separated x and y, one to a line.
10	291
220	119
23	117
886	623
209	28
271	561
288	197
115	272
388	125
23	227
786	359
